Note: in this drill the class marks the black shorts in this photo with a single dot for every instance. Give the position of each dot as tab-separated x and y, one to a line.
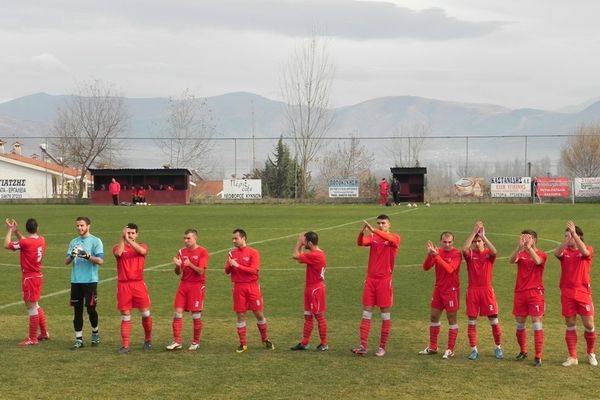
87	292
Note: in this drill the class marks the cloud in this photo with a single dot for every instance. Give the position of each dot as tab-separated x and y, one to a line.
353	20
48	62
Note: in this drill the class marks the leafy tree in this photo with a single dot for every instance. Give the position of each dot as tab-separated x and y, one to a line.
281	173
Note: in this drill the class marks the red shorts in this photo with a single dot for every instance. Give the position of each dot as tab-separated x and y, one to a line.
576	302
32	288
314	299
378	292
481	301
448	300
529	302
190	296
132	295
247	296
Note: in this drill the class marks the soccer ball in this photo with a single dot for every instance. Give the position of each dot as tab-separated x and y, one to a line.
415	205
144	204
427	204
409	205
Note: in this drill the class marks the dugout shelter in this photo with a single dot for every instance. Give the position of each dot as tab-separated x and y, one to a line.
162	186
412	183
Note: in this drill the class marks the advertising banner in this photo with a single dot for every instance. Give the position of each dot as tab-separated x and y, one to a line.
587	187
472	186
343	187
242	189
510	186
552	186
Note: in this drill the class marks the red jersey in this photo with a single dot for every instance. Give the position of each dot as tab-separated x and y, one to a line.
114	188
248	259
198	257
575	269
529	274
315	266
447	268
130	264
384	247
479	267
32	250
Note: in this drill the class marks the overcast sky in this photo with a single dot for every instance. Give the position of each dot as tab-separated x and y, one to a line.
516	53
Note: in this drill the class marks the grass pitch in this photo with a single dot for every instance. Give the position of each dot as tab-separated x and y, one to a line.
52	371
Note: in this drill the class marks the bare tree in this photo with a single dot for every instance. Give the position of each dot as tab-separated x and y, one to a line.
305	85
351	160
88	125
406	149
581	154
187	134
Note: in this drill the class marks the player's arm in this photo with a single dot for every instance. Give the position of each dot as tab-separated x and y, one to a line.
177	263
388	236
578	242
431	253
513	257
253	266
563	245
9	232
298	247
488	242
202	264
139	248
364	238
451	266
120	246
467	245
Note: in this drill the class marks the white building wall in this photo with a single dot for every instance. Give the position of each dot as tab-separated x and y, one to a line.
17	182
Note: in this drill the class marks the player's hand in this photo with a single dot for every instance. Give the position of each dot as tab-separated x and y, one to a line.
477	227
177	261
368	226
74	252
571	228
81	253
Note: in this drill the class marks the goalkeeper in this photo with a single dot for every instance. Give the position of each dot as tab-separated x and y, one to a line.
86	253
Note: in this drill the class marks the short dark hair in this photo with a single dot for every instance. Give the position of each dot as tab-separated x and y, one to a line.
195	232
383	216
312	237
241	232
133	226
529	232
447	233
31	225
84	219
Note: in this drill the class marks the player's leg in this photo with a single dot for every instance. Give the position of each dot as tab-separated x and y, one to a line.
452	330
385	300
472	335
497	335
147	325
521	334
318	308
195	301
369	299
196	330
176	327
241	331
571	340
434	331
307	326
590	338
256	304
91	300
77	302
125	330
33	324
240	308
538	339
44	335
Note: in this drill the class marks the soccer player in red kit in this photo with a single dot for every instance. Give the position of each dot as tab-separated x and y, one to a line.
243	265
446	292
529	293
191	263
480	255
378	289
32	250
131	288
314	291
383	191
575	292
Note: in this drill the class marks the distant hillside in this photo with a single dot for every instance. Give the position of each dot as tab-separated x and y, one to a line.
238	115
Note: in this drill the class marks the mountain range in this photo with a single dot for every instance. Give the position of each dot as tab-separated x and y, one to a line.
239	115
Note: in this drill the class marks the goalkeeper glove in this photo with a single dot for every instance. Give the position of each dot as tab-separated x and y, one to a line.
83	254
74	252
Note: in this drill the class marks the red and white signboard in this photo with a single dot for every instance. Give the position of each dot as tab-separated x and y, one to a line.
552	186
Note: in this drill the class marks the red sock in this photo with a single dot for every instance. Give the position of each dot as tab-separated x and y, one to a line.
147	324
452	335
571	339
34	323
322	324
308	327
590	339
262	328
386	326
522	339
365	327
241	331
177	326
43	325
472	334
497	333
125	332
197	329
434	332
538	341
